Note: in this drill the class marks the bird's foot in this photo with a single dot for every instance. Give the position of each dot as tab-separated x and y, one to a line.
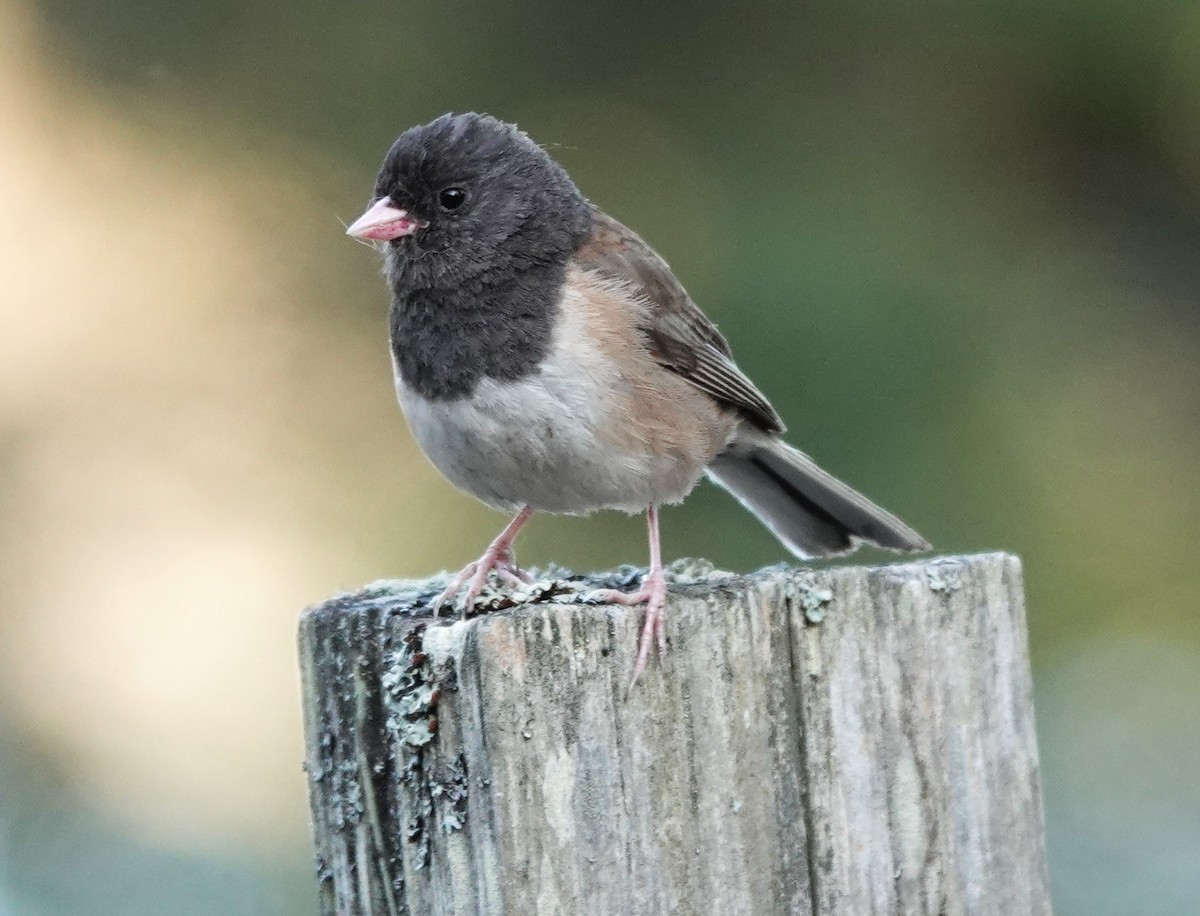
498	559
654	628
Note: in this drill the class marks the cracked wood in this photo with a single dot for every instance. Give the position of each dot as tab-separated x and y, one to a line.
842	741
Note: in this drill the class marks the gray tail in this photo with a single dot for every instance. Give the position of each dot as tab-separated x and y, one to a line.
812	512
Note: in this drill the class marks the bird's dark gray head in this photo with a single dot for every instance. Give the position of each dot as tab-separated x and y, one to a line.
478	225
477	197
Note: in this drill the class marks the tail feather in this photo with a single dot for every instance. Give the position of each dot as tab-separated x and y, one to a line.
812	512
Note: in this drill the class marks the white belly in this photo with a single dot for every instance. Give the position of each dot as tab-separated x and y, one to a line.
536	443
542	441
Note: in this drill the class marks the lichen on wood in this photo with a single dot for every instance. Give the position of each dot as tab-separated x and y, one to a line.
843	740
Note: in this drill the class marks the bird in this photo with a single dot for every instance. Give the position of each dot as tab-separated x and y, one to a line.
547	360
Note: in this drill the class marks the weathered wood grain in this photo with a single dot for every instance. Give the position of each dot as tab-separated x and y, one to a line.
842	741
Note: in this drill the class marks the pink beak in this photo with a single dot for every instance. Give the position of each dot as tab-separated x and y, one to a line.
383	222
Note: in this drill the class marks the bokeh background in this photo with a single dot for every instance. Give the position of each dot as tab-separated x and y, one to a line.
957	243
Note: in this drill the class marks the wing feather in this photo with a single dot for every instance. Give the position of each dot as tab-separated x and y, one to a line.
679	336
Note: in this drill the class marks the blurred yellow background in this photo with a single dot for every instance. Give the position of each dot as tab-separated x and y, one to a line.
957	244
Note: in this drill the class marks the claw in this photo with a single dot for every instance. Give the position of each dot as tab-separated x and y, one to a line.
475	575
498	558
653	594
451	590
514	576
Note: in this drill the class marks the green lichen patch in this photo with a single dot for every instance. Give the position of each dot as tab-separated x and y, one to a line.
410	699
449	787
944	576
804	590
693	571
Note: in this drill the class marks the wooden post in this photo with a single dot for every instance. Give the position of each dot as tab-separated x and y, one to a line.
840	741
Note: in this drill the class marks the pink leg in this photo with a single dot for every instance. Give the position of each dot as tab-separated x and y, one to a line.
654	593
498	557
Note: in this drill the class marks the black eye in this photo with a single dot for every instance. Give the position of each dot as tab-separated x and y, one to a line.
452	198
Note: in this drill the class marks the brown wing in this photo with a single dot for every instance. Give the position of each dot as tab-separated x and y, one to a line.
678	334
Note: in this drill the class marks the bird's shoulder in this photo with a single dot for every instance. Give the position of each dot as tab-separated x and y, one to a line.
619	254
678	334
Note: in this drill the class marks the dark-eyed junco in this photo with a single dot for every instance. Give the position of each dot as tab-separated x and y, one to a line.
548	360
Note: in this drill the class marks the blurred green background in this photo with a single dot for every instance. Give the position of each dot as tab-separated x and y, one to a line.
957	243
